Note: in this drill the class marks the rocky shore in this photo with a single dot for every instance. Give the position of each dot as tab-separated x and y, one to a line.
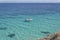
55	36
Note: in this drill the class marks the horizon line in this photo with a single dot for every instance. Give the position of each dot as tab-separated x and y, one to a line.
25	2
29	2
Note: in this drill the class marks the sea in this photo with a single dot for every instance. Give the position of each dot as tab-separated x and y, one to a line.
45	20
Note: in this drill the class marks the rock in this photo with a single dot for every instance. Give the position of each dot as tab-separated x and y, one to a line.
55	36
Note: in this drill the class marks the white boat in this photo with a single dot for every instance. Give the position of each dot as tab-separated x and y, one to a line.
28	20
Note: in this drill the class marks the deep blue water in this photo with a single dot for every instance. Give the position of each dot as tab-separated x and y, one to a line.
45	18
29	8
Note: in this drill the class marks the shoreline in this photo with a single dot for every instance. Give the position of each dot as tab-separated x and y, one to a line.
54	36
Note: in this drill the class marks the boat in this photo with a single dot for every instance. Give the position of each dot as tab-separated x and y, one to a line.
28	20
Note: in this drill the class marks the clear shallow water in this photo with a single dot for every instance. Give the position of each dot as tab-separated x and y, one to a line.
27	30
45	21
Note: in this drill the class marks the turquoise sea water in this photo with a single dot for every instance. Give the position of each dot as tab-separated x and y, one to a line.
28	30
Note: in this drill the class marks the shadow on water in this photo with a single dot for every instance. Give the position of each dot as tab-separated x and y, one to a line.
10	17
3	28
45	32
11	35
